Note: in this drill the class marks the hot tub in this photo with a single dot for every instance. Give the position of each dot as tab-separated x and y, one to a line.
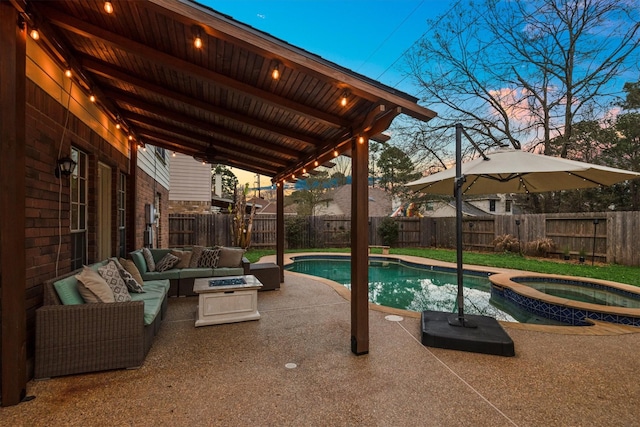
568	300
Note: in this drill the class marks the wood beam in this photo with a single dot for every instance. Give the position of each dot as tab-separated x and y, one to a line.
12	206
163	59
199	125
360	248
204	143
116	74
280	229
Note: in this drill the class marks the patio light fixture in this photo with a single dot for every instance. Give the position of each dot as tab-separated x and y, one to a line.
108	7
65	166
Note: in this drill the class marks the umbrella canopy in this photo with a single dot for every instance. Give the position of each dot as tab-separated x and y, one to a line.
515	171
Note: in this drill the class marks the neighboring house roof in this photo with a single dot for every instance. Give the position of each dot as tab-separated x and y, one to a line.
448	209
340	199
269	207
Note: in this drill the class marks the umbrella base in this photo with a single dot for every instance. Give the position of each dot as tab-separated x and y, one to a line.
486	336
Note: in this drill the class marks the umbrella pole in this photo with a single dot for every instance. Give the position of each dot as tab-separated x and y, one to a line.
459	320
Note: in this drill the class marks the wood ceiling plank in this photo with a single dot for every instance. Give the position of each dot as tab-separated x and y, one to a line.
169	61
113	73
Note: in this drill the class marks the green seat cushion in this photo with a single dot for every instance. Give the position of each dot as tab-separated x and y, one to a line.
138	259
154	293
228	271
67	290
158	253
161	275
186	273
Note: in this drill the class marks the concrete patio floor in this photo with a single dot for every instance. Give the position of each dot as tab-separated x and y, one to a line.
236	375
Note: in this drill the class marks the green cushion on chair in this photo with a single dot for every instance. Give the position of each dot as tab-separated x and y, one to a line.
154	292
67	290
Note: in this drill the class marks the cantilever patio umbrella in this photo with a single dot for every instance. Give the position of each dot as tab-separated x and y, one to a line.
516	171
509	171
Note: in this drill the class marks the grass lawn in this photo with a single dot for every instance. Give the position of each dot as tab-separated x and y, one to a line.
613	272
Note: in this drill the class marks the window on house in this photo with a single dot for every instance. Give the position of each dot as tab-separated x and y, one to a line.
492	205
78	204
162	154
507	206
122	219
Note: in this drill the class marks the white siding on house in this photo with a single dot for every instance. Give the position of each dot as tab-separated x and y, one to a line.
190	179
154	165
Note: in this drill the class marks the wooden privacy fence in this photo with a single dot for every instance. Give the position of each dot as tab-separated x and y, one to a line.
606	236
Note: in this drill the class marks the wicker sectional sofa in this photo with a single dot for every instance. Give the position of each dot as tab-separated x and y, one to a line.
76	337
181	279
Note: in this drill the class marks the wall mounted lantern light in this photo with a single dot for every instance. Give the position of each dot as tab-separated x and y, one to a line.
65	167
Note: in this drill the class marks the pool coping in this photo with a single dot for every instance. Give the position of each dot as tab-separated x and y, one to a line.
597	327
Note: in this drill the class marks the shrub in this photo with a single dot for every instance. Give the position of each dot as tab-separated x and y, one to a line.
540	247
295	230
506	243
388	231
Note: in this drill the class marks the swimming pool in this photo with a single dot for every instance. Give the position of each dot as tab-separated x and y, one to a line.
401	284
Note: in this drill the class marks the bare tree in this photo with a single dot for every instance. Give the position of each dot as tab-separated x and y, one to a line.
524	71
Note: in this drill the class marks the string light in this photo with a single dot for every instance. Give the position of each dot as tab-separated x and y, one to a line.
34	33
68	72
92	98
108	7
275	74
335	153
315	163
118	126
293	176
361	140
304	170
197	42
343	100
173	154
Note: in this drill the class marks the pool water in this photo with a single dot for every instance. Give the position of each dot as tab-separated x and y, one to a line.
415	288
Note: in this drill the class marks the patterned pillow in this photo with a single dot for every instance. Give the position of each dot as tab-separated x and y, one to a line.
148	257
185	258
209	258
111	275
132	284
196	253
167	262
132	269
92	287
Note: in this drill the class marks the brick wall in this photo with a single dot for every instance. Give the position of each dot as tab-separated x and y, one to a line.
146	192
45	216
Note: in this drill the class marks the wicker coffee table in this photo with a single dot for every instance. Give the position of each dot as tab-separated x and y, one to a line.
227	299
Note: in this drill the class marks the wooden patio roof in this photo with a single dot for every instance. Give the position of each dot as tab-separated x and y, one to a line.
220	102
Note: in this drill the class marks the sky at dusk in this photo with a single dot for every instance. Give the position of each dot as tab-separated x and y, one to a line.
365	36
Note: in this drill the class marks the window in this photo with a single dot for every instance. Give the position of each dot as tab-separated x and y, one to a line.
78	204
122	219
162	154
507	206
492	205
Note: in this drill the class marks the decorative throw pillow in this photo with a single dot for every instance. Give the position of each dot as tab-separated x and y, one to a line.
132	269
111	275
148	257
209	258
132	284
92	287
185	258
230	257
196	253
167	262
